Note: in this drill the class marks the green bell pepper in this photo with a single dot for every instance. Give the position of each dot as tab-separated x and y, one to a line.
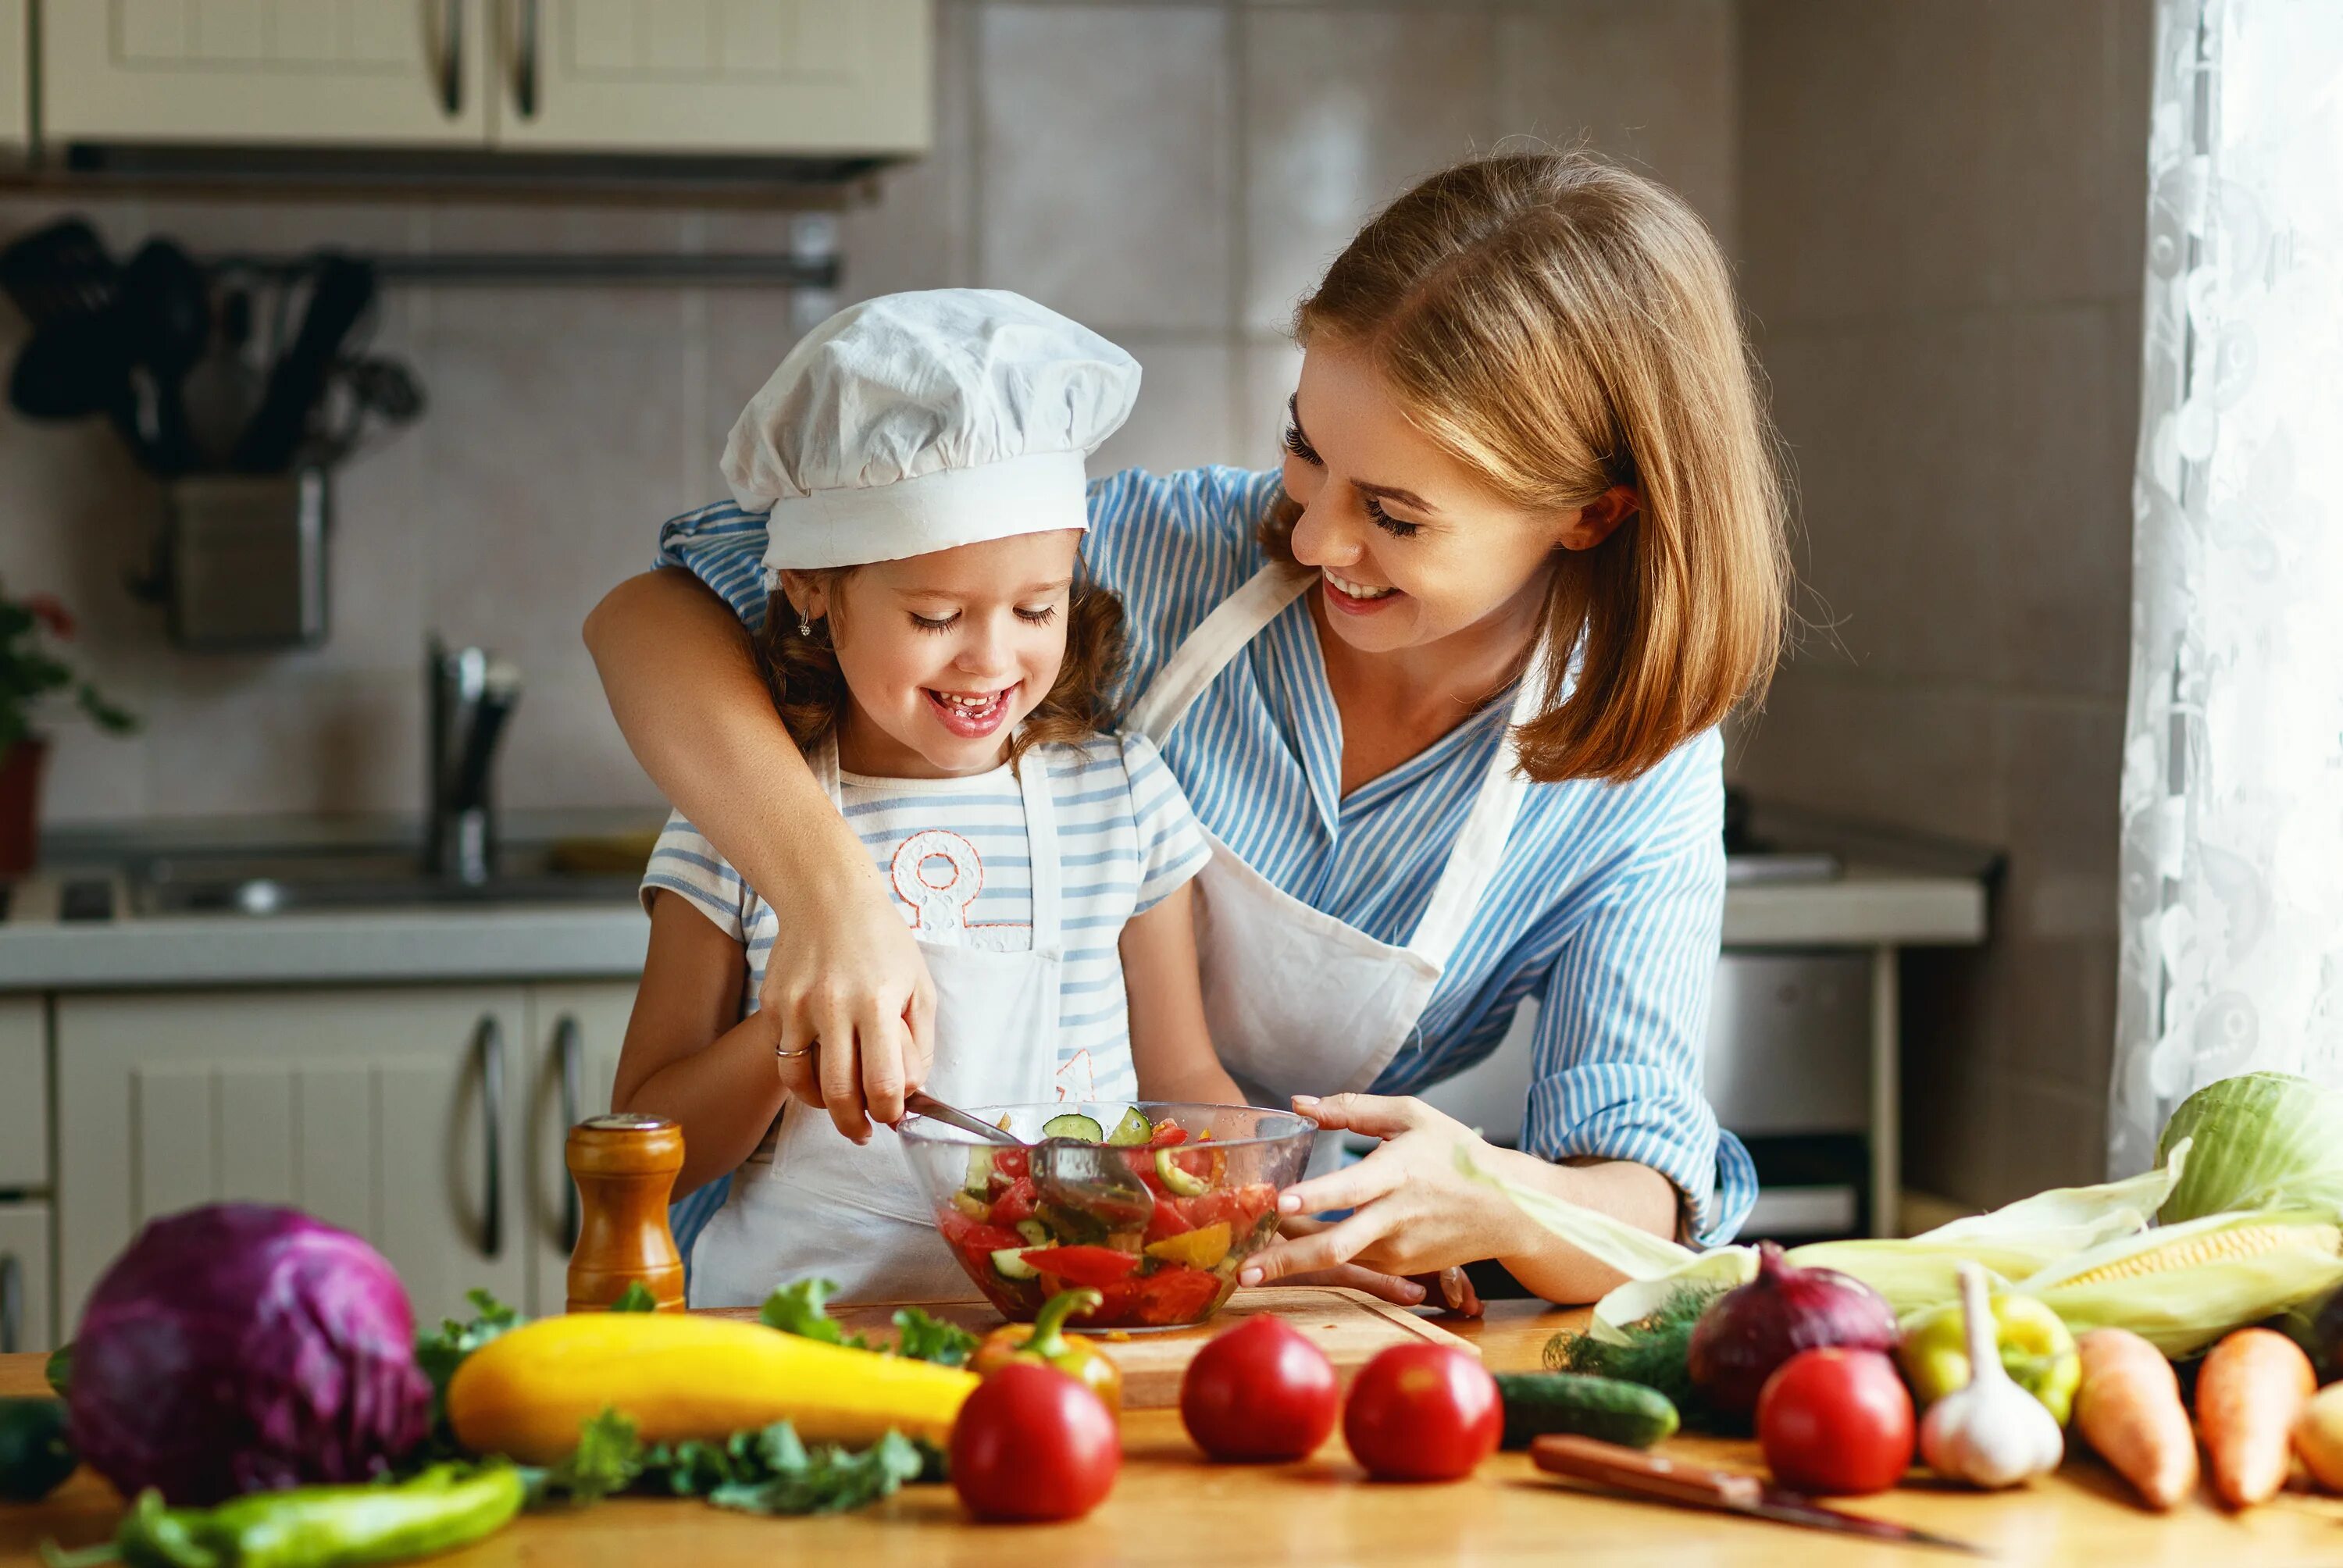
2036	1348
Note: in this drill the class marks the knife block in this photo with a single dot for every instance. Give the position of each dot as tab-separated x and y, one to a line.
241	563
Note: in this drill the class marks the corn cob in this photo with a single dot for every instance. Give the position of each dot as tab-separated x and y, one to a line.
2218	1246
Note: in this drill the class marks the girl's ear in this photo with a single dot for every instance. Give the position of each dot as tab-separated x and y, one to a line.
1599	518
805	593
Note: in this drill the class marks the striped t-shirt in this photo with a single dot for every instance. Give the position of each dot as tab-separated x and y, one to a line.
954	851
1608	903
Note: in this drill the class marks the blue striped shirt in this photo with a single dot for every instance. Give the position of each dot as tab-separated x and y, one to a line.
1607	906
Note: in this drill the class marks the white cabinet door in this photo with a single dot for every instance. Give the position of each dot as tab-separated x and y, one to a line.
24	1107
746	76
16	82
575	1032
304	72
394	1113
26	1283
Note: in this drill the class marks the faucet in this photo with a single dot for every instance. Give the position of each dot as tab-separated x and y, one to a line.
469	693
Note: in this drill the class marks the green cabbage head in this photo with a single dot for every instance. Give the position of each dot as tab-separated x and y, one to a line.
2262	1140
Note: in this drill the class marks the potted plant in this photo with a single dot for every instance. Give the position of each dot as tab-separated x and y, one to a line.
29	673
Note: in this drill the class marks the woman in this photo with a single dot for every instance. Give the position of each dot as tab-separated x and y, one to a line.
1444	693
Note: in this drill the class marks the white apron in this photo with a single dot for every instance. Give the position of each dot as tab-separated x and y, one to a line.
859	1217
1299	1002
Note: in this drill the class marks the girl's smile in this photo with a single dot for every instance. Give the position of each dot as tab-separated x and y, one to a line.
974	715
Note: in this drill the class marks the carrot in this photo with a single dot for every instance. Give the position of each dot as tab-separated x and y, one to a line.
2128	1409
2250	1394
2318	1437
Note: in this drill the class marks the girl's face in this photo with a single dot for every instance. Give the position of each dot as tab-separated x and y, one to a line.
1411	546
944	654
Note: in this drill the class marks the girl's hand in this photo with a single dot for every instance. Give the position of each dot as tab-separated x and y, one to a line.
1414	1213
854	989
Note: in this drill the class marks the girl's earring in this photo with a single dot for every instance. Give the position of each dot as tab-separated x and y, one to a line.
805	627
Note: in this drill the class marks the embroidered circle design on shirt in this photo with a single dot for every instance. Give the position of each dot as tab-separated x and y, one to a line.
939	874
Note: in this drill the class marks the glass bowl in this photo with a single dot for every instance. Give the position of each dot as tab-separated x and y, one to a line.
1157	1208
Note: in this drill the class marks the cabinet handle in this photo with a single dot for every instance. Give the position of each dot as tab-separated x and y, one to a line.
524	62
11	1304
570	1056
489	1051
451	57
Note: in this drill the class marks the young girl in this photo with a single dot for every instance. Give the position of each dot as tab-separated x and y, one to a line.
930	648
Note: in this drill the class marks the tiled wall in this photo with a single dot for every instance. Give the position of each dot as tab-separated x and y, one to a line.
1172	174
1942	217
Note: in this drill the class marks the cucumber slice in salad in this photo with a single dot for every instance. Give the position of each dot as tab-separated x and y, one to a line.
1176	1180
1008	1263
1036	1233
1073	1124
1133	1131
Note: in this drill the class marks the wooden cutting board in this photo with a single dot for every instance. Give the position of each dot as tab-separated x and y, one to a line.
1349	1325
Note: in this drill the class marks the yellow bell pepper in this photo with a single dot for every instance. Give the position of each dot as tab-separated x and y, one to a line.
2037	1349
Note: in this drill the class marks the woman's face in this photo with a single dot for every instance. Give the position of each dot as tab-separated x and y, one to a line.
1411	547
945	654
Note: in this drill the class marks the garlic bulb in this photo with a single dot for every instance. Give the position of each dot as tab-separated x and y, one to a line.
1992	1433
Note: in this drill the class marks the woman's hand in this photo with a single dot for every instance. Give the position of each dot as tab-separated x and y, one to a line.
1415	1212
852	1007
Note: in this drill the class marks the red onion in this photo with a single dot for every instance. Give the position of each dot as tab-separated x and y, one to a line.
1753	1328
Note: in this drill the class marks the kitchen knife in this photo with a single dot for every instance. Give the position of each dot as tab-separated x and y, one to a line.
1644	1474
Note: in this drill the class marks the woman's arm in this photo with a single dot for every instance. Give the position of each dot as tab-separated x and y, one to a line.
1416	1212
676	666
723	1094
1171	1044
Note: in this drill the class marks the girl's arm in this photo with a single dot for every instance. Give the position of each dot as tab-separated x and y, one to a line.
1171	1044
676	667
723	1094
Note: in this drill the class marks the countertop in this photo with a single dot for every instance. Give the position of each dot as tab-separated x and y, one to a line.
1864	907
1169	1507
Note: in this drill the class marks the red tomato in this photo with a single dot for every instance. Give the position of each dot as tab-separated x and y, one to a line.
1167	1132
1167	1221
1010	1163
1835	1421
1015	1204
974	1237
1422	1412
1082	1265
1241	1207
1260	1390
1032	1444
1177	1294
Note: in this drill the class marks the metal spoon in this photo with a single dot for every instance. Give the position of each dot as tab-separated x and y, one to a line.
919	1103
1091	1177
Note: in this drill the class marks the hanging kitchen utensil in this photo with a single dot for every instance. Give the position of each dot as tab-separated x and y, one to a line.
224	388
343	290
58	271
166	314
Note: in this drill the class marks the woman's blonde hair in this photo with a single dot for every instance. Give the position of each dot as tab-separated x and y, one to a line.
1561	326
800	669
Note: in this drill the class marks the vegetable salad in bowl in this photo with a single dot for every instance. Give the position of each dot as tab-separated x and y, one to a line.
1154	1205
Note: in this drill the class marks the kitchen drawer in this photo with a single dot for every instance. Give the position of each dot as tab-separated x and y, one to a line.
27	1283
24	1092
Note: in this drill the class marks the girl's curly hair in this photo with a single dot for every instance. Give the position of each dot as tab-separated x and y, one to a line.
809	693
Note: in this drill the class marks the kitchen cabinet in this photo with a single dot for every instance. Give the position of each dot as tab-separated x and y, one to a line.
24	1109
26	1283
393	1113
16	82
575	1032
405	73
797	77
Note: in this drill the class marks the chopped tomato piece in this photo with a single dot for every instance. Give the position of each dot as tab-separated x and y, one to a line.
979	1239
1015	1204
1176	1295
1167	1221
1094	1266
1011	1164
1241	1207
1168	1131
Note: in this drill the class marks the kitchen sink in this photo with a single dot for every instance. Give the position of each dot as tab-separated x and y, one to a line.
248	885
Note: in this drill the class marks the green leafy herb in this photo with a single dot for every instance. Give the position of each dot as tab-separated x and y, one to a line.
1651	1351
440	1351
636	1298
610	1457
803	1308
922	1338
58	1370
824	1479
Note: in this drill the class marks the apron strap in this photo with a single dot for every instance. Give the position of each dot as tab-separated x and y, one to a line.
1041	850
1479	846
1217	640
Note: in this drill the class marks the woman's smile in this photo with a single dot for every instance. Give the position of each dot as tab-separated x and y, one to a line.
1354	598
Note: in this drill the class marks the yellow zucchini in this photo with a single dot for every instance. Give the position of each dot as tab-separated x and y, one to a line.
680	1375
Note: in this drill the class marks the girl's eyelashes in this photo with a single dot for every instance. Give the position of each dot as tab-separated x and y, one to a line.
924	623
1385	521
1295	444
1043	616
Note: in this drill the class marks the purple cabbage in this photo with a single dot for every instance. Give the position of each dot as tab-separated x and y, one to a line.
241	1347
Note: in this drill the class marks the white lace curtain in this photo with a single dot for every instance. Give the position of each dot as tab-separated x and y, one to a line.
2232	798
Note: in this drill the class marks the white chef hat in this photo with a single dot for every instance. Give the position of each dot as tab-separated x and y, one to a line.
915	422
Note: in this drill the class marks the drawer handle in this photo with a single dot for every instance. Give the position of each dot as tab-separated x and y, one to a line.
451	57
524	62
489	1052
570	1056
11	1304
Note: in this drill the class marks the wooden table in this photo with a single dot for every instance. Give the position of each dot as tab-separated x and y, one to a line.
1171	1507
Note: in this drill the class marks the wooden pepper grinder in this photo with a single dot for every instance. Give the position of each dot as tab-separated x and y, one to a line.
624	1166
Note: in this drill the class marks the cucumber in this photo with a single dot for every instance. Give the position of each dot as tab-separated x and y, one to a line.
1009	1263
34	1453
1075	1125
1178	1181
1540	1402
1133	1131
979	1171
1036	1233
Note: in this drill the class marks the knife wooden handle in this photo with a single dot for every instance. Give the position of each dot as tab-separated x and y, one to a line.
1644	1474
